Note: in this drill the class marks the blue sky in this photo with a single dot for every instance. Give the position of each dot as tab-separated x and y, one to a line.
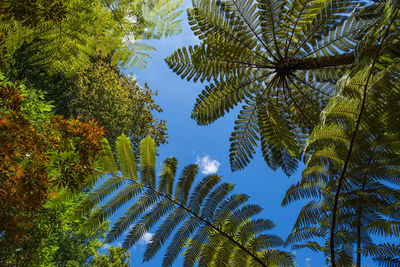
209	145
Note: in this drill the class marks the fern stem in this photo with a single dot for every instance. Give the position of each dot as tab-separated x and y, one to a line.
297	106
252	30
291	63
352	142
359	217
192	213
289	41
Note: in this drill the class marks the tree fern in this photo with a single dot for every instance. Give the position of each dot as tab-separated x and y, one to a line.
201	218
350	160
286	54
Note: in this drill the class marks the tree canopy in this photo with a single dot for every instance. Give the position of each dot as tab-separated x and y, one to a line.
318	81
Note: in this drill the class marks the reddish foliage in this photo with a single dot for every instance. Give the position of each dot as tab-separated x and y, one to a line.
34	162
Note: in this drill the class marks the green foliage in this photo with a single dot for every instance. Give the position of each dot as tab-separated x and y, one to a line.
116	101
64	34
40	153
211	226
55	240
280	59
352	172
115	257
100	91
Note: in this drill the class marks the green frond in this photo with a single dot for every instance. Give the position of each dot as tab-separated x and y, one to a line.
219	58
148	161
162	18
310	214
385	228
185	182
209	250
225	208
244	137
203	221
126	158
106	210
303	234
162	233
105	158
132	214
242	214
386	254
181	63
180	239
214	199
341	39
167	175
274	257
97	195
195	245
278	144
201	191
251	227
314	246
325	16
217	99
302	190
273	129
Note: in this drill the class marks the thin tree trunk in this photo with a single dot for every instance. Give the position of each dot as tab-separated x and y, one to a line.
292	64
359	211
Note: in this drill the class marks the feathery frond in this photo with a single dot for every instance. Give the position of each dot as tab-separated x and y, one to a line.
196	215
289	54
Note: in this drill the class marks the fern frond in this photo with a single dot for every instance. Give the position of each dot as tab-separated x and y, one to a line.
126	159
204	221
167	175
243	138
148	161
105	158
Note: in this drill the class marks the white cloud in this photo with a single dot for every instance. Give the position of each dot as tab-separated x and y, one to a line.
106	246
206	165
145	239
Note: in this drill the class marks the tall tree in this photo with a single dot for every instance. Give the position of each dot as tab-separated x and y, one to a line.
101	91
353	153
319	80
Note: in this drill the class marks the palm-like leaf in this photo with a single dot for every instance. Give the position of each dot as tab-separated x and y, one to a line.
352	155
201	218
286	54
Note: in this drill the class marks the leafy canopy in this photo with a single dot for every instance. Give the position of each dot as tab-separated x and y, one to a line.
39	153
64	34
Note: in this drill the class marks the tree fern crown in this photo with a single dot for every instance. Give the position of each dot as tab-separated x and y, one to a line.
280	58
